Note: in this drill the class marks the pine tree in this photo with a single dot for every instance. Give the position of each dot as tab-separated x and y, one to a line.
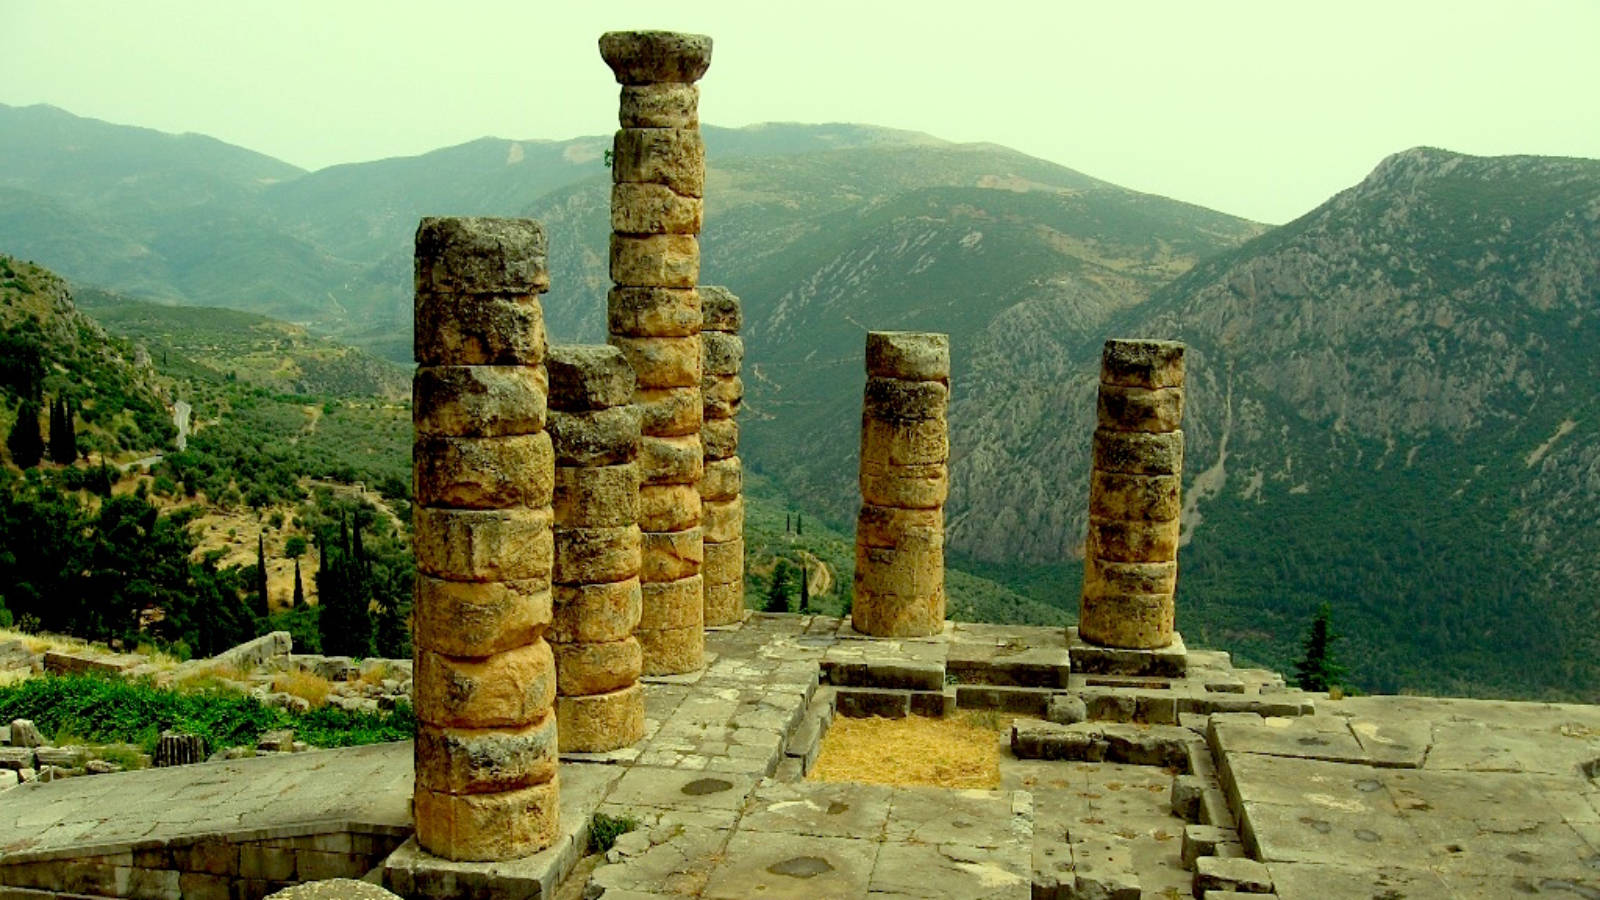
1318	670
263	603
299	586
778	593
25	442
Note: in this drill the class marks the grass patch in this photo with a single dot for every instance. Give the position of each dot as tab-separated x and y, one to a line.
962	751
308	686
605	829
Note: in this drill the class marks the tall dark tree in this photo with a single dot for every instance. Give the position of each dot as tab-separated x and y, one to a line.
25	442
805	588
1318	670
344	596
263	600
299	586
799	523
778	592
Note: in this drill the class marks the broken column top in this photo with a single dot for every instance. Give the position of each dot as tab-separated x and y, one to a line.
652	57
480	255
588	376
720	309
1142	363
912	355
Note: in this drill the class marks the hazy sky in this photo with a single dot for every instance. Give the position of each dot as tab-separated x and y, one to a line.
1262	109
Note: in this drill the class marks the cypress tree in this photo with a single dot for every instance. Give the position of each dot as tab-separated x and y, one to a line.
25	442
778	593
263	603
1318	670
299	586
805	588
799	523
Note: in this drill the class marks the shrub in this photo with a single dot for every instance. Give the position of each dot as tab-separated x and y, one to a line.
605	829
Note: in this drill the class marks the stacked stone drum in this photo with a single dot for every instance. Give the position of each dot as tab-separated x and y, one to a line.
722	484
658	170
1130	565
905	477
483	466
599	702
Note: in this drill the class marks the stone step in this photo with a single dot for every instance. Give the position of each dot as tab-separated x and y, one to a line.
1023	700
889	673
1152	745
859	703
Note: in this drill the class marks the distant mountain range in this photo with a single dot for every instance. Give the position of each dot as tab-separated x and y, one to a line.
1393	399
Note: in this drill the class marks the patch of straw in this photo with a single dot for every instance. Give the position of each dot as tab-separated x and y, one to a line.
312	688
959	752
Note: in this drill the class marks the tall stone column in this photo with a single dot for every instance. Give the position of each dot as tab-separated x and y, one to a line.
905	477
658	174
722	485
1130	560
484	471
599	702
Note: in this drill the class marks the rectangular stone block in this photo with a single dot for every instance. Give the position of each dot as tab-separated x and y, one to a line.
653	209
496	826
861	703
484	545
662	362
1142	363
670	412
598	723
673	651
590	555
586	377
672	555
604	437
478	330
480	255
719	438
1122	408
898	400
722	479
1138	452
909	355
672	604
484	760
669	507
483	472
596	668
596	496
478	401
1115	495
666	105
675	157
650	311
510	689
479	618
723	520
596	612
662	260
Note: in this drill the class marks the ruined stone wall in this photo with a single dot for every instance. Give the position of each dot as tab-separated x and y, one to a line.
1130	561
722	485
484	478
654	317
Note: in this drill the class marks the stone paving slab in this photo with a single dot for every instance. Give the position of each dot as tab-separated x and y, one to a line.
795	866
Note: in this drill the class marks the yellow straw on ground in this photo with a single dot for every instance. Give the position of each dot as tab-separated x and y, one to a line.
962	751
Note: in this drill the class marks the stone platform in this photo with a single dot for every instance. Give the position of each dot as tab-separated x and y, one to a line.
1143	786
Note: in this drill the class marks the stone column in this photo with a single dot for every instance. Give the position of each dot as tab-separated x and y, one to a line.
905	476
722	485
1130	559
658	170
484	471
599	702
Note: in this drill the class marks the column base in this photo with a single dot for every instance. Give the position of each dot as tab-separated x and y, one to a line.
1171	661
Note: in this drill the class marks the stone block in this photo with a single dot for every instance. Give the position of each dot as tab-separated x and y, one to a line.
484	545
467	618
670	412
1132	621
914	569
910	355
1138	452
894	615
671	555
1118	578
905	442
510	689
888	527
662	260
480	255
598	723
1170	661
584	377
23	733
1185	798
1122	408
496	826
200	886
652	312
671	460
673	651
1142	363
589	555
483	472
1216	873
1066	709
605	437
1203	840
722	479
675	157
484	760
899	400
478	401
934	704
722	309
861	703
721	395
662	362
1005	698
669	507
663	105
1117	495
721	353
672	604
724	601
724	562
653	209
723	520
1118	540
583	669
478	330
596	612
596	496
719	438
648	57
905	487
887	672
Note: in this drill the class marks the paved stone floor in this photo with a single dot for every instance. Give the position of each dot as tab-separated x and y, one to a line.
1373	797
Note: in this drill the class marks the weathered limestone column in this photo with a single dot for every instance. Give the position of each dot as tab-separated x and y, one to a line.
905	477
722	485
1130	560
599	702
658	170
484	471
